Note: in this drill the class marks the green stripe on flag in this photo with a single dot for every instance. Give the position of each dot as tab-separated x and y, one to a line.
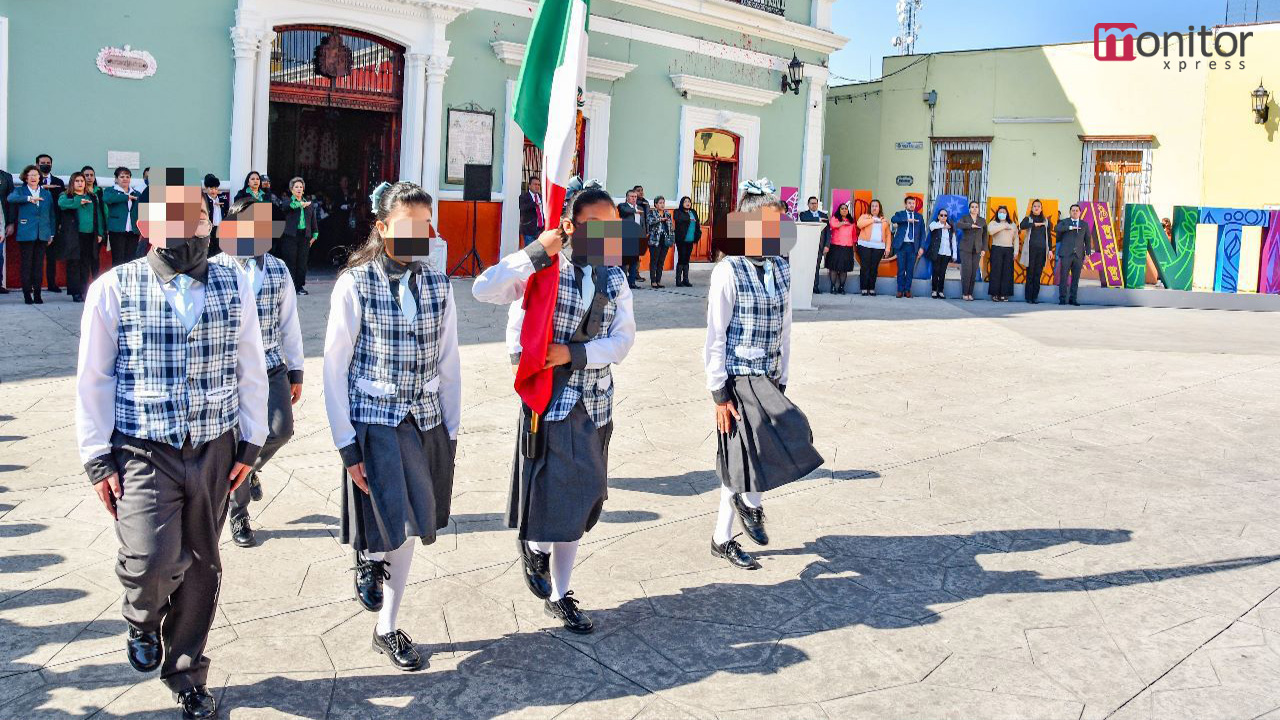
544	53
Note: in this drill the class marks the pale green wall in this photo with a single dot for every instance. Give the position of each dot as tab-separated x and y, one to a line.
59	103
853	137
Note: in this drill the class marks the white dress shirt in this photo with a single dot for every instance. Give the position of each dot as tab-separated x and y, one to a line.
290	326
505	283
96	370
345	313
722	296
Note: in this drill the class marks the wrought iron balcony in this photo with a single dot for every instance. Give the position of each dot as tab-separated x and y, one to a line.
776	7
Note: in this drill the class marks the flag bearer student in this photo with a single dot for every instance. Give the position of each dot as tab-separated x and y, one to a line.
764	440
246	234
559	477
393	393
171	412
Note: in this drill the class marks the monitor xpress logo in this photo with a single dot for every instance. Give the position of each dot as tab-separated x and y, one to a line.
1192	50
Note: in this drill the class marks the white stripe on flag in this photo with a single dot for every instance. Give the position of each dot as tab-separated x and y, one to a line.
562	111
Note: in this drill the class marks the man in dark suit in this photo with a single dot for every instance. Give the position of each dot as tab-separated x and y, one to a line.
216	203
630	211
55	186
6	224
1074	242
814	214
533	216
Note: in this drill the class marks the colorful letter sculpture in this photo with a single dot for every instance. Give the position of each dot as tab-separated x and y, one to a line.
955	205
1231	222
1107	260
791	196
1269	274
1143	235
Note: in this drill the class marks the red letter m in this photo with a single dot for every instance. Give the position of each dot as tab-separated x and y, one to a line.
1106	48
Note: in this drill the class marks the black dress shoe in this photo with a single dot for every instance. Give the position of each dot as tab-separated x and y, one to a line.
1076	303
54	290
39	300
4	290
242	533
197	703
734	553
1062	302
143	649
303	291
752	521
255	487
369	577
537	570
399	649
566	611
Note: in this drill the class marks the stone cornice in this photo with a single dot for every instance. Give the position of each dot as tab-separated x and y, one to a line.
694	86
512	53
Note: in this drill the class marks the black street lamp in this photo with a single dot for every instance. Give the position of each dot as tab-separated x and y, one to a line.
1260	108
794	76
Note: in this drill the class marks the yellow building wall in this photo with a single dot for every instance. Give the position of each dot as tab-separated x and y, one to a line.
1241	158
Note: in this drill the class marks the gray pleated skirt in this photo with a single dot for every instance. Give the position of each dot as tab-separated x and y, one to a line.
773	443
558	496
410	476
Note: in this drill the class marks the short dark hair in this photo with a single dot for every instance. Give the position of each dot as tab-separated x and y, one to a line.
812	197
211	181
88	167
122	170
911	198
1075	205
240	206
44	155
23	175
585	199
535	176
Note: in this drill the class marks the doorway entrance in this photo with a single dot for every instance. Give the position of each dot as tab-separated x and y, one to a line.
335	113
715	183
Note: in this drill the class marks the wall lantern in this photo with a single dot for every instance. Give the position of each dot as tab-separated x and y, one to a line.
1260	109
794	76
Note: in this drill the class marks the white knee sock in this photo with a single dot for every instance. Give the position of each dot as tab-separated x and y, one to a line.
542	547
563	555
724	521
398	563
374	556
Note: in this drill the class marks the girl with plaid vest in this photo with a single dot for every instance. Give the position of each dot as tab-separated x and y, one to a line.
246	235
393	393
558	493
764	441
171	404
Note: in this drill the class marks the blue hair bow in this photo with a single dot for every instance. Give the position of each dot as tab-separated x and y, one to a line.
757	187
376	195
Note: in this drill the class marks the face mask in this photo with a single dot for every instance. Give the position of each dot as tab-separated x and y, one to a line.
1002	216
46	168
183	256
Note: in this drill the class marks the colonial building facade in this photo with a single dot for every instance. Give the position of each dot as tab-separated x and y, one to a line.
685	98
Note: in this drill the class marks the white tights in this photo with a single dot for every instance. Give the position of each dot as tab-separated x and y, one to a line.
398	563
724	521
563	555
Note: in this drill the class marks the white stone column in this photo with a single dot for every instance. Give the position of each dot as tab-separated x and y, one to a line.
244	42
512	174
437	70
261	106
412	115
814	131
4	103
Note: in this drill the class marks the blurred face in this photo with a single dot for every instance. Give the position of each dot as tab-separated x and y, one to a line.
77	185
639	192
211	191
813	204
33	178
249	233
174	211
911	204
1036	208
255	182
942	216
1075	212
45	163
686	204
599	238
90	178
973	209
535	186
297	188
407	233
763	233
631	197
123	180
875	208
661	204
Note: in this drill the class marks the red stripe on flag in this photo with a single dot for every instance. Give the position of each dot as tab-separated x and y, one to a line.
533	379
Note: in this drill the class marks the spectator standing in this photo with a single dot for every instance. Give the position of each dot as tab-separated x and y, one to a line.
533	216
35	227
643	206
78	233
1035	250
100	215
7	215
872	231
688	230
122	218
215	204
56	187
300	233
840	254
908	230
629	211
942	251
662	233
814	214
1004	239
973	245
253	188
1074	242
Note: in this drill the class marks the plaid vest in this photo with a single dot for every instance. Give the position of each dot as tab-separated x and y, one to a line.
594	386
274	273
170	384
394	370
753	342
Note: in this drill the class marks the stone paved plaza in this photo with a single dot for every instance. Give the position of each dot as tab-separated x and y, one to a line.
1025	513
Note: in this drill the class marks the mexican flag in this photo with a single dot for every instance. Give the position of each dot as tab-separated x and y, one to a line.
551	81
